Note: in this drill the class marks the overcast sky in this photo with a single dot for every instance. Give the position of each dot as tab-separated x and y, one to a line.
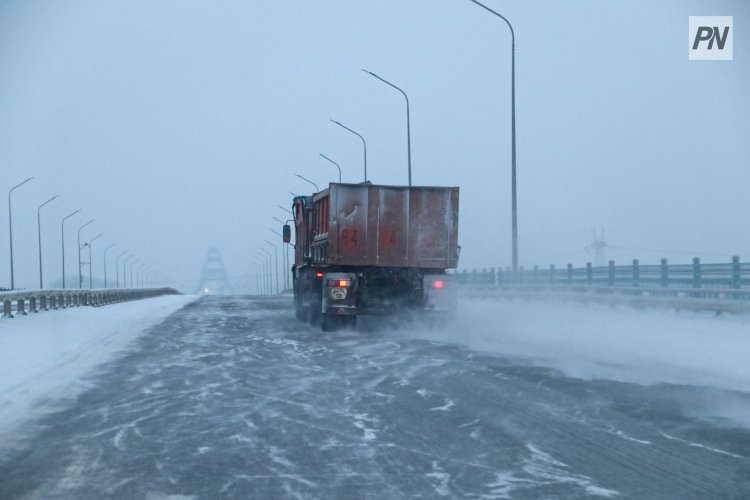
179	125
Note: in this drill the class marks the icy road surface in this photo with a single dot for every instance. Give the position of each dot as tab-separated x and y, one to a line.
232	397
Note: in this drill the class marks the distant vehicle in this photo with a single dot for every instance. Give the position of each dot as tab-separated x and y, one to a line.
375	250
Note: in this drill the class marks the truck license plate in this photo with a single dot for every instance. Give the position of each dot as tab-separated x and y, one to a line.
338	293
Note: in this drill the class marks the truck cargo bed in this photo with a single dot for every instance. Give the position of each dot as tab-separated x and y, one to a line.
383	226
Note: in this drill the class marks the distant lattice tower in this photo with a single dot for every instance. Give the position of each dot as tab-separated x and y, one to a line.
599	246
214	277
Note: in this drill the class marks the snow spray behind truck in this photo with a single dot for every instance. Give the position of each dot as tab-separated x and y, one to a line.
375	250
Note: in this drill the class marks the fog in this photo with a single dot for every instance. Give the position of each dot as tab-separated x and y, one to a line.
179	125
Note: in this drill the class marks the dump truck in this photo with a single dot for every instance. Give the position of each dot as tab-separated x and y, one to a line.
366	249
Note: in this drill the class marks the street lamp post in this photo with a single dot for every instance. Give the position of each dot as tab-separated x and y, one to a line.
39	236
264	281
308	180
124	271
276	261
63	243
285	256
408	125
91	260
270	280
117	269
513	131
105	263
132	264
10	229
80	272
363	141
337	165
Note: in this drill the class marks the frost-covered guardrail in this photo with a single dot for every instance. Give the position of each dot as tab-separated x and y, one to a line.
33	301
717	286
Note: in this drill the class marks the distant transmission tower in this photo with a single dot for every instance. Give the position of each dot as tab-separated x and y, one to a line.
214	277
599	246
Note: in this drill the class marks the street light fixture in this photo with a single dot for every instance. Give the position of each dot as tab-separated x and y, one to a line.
124	271
286	257
513	131
62	226
117	269
105	263
264	281
80	272
132	264
408	125
10	229
308	180
39	236
270	280
276	260
357	134
337	165
91	259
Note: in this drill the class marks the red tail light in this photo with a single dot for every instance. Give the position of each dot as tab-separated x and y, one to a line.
438	284
318	274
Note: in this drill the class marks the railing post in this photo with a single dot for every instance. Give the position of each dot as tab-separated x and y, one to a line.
664	274
589	273
570	274
536	274
7	309
736	273
493	278
696	272
21	307
32	305
43	300
552	274
611	276
636	274
521	276
474	276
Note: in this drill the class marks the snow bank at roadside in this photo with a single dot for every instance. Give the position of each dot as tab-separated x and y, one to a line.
44	357
617	343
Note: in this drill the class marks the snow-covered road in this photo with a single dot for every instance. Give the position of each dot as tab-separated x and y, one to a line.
231	397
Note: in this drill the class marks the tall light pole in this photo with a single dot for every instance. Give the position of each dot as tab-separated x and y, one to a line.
80	272
285	254
337	165
39	236
139	276
62	227
105	263
408	125
308	180
117	269
124	271
363	141
276	260
512	131
132	264
10	229
91	259
270	280
264	283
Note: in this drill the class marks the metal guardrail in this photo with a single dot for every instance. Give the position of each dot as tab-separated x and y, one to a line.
717	287
731	275
33	301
